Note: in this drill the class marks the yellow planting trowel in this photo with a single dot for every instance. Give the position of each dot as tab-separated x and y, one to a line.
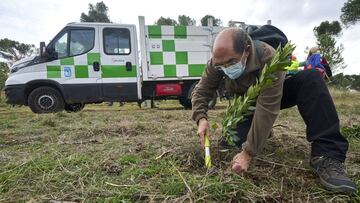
207	152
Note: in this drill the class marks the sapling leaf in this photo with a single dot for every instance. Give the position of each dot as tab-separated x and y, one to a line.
244	106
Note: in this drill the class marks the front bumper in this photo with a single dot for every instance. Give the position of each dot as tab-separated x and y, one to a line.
15	94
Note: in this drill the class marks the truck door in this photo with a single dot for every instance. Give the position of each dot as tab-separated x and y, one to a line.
77	54
118	48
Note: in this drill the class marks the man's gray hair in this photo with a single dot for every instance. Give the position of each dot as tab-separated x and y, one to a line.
241	39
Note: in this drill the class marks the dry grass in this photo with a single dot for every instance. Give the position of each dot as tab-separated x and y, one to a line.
113	154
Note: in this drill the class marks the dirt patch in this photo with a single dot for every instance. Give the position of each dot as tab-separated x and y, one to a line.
111	167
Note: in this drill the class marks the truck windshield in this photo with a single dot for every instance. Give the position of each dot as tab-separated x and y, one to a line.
61	46
81	41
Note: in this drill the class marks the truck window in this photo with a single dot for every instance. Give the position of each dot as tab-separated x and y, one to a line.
81	41
61	46
116	41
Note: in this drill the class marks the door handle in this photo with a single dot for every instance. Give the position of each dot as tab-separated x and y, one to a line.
128	66
96	66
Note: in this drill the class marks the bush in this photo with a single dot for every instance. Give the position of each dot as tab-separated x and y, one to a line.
351	132
4	70
3	76
346	81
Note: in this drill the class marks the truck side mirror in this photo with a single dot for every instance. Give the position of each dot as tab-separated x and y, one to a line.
42	49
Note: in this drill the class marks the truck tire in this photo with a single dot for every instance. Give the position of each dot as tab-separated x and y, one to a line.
45	100
186	101
74	107
212	103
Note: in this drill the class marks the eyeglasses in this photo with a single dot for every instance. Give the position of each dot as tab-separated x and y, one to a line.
222	67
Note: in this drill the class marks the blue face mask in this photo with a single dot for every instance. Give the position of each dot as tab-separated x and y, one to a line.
235	71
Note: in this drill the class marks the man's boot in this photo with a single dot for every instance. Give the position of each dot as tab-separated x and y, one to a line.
332	174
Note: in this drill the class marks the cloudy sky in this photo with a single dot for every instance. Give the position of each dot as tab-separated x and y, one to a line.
32	21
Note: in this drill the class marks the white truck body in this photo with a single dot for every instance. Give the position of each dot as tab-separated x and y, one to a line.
96	62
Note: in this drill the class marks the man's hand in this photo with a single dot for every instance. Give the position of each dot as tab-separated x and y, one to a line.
240	162
204	128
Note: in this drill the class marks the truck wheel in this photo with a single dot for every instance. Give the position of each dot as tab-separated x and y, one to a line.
212	103
74	107
185	102
45	100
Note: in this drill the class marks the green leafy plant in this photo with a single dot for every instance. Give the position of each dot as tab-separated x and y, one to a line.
244	106
351	131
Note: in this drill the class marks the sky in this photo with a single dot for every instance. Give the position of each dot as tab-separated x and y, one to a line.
32	21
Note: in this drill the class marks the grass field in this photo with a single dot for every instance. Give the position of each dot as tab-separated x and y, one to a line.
114	154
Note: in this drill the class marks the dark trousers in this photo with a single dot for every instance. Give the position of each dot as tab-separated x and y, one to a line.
309	92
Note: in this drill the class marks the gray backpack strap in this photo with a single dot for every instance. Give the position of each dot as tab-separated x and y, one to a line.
259	54
258	50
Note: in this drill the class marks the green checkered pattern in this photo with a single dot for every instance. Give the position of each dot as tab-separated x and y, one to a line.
167	54
82	69
155	31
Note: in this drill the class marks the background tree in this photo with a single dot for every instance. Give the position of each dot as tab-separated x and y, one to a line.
12	51
326	28
216	21
186	20
342	81
165	21
350	12
97	13
4	69
326	34
331	52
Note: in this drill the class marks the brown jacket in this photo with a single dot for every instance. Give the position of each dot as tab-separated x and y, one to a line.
267	104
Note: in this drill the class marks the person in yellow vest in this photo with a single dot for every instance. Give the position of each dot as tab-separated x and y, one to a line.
294	67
